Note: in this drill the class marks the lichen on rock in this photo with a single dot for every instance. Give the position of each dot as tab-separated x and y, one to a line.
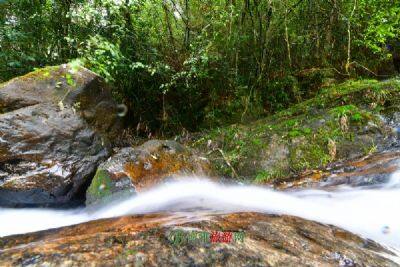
133	170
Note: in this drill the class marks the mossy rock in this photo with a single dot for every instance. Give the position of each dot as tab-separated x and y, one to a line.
342	121
133	170
55	125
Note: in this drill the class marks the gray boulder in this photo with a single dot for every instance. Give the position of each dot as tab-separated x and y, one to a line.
55	124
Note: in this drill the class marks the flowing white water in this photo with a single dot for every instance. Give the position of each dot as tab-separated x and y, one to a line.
371	213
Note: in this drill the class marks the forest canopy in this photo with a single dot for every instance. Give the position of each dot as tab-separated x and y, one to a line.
191	64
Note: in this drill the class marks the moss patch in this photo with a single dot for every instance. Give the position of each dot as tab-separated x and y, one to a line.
41	74
101	185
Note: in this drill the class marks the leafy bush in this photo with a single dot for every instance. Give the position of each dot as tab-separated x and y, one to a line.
281	92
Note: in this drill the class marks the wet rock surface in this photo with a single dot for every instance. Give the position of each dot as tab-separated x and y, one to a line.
367	172
133	170
54	127
151	240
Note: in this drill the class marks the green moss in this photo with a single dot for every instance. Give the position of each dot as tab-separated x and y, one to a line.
357	117
343	110
310	154
54	72
37	74
70	80
101	185
42	73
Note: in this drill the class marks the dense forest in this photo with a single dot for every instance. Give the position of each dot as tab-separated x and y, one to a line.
195	64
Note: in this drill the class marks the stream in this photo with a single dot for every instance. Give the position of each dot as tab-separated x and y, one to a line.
371	212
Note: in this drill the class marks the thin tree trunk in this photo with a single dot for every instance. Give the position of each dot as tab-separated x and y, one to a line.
287	40
169	27
349	38
187	22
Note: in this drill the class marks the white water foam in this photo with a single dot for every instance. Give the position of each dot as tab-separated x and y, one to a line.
371	213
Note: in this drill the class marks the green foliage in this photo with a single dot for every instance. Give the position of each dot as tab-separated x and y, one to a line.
357	117
382	19
282	92
192	64
343	110
69	78
102	56
264	176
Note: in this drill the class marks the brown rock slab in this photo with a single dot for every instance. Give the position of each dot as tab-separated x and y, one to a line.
151	240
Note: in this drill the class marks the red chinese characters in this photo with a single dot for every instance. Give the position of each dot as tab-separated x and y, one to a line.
221	237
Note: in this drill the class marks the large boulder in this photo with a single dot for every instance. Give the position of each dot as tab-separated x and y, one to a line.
54	129
342	122
133	170
174	240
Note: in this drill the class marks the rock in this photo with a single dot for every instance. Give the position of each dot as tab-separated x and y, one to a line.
54	130
174	240
132	170
368	172
276	155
